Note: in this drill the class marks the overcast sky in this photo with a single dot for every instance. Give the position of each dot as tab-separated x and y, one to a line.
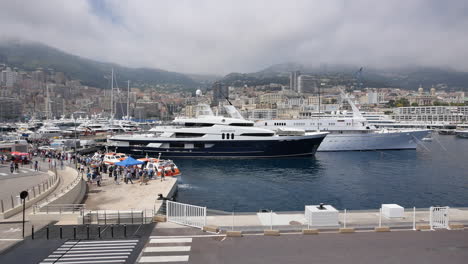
219	37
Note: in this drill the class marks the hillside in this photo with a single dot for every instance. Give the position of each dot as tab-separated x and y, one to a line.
29	56
407	77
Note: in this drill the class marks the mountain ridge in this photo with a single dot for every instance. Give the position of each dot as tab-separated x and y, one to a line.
32	55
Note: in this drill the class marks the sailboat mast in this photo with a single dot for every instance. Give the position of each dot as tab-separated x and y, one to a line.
112	93
47	106
128	99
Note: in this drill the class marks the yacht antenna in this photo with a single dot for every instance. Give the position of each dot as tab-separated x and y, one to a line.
112	93
128	99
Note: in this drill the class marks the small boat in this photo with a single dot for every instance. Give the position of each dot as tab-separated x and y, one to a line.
111	158
462	133
169	167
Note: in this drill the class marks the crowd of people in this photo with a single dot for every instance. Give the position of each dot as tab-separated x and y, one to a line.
91	166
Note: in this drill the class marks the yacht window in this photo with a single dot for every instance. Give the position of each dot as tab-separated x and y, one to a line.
222	135
227	135
258	134
188	135
266	123
199	145
232	136
242	124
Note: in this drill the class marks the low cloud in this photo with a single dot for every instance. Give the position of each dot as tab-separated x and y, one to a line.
243	36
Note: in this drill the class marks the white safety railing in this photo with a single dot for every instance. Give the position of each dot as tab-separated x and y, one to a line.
438	217
186	214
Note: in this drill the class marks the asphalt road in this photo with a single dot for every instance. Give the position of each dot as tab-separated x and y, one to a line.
14	183
383	248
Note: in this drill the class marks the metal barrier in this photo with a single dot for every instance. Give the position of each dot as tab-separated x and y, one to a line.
439	217
117	216
186	214
59	208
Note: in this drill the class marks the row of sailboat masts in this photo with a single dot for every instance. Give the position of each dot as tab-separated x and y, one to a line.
112	97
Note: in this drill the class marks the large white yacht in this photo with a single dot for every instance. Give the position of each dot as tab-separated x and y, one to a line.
351	133
218	136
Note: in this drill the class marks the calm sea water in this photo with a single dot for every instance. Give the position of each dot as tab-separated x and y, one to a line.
434	174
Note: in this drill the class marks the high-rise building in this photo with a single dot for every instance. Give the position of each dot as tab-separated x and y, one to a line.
293	86
220	93
8	77
307	84
10	108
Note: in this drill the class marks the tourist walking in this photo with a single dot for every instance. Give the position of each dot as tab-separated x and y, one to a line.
12	166
36	165
162	175
129	178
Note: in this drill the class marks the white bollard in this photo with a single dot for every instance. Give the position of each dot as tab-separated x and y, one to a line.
271	219
344	221
380	217
414	218
232	221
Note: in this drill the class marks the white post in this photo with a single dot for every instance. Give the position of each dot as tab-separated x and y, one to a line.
430	217
271	219
414	218
380	217
232	221
447	218
204	211
344	222
167	210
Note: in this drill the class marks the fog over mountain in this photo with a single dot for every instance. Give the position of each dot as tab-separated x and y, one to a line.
219	37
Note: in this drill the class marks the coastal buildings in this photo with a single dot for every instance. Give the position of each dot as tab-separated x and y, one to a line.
428	114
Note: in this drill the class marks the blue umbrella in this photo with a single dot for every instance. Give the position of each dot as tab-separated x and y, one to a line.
129	162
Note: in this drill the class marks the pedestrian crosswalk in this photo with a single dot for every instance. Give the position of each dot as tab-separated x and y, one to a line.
86	252
166	250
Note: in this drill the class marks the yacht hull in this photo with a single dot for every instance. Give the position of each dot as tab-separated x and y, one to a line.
373	141
290	147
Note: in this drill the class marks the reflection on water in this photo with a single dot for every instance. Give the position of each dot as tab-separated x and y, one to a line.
437	174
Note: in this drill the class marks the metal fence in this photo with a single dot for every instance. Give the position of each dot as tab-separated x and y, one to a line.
186	214
117	216
34	191
59	208
357	219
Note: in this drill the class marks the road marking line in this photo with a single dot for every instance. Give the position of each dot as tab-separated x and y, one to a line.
148	259
87	255
102	241
99	245
166	249
193	236
10	239
171	240
62	251
108	247
84	258
91	261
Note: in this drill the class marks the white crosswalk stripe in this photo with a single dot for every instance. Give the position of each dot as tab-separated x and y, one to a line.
83	252
166	250
3	174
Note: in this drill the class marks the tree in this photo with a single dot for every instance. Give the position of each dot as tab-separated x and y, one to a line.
414	104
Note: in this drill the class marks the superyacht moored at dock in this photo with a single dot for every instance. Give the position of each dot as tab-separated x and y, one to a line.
217	136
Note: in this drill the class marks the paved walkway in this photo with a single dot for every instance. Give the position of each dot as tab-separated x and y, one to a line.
112	196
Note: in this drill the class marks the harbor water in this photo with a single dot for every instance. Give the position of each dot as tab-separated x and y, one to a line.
434	174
